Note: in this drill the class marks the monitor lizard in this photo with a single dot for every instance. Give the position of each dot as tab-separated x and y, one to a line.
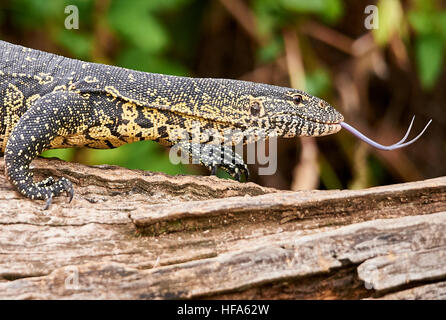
48	101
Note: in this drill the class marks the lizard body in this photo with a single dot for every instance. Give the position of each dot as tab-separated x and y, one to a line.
49	101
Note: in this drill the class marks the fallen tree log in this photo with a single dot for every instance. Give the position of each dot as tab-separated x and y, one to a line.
131	234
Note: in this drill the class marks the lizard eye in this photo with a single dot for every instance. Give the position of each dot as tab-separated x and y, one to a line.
322	104
297	99
255	108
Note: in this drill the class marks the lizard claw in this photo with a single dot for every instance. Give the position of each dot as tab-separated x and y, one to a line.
241	171
69	190
49	200
237	175
71	194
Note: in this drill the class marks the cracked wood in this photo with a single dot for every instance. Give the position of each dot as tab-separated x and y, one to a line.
132	234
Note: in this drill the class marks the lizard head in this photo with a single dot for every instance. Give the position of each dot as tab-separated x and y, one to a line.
257	110
287	112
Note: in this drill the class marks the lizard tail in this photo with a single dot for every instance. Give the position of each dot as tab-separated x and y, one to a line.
400	144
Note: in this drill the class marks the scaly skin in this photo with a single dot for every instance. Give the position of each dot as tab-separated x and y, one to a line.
48	101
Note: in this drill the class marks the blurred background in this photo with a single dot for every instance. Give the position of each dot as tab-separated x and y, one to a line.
377	70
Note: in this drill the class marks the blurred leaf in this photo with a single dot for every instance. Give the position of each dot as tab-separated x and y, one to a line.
145	155
429	56
328	176
271	50
222	174
140	60
30	13
390	18
273	14
425	23
377	172
441	23
157	6
330	10
421	21
80	45
429	25
135	23
2	16
63	154
268	15
317	82
424	5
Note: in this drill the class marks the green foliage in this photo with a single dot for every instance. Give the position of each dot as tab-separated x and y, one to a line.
134	58
430	27
137	25
271	50
29	13
318	82
329	10
78	44
328	176
429	53
63	154
274	14
145	155
391	22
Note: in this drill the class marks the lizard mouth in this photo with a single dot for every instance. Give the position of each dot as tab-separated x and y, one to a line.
296	124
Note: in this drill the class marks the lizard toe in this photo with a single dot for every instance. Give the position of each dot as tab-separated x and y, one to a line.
213	170
49	200
244	171
68	187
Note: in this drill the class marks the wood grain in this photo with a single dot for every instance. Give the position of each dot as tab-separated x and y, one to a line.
131	234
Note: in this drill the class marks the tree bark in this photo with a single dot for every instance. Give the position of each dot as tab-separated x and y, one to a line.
131	234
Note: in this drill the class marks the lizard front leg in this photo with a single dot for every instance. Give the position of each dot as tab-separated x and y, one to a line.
215	156
55	114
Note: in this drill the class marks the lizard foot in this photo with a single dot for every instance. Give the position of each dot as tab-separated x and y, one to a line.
216	156
236	171
47	189
56	188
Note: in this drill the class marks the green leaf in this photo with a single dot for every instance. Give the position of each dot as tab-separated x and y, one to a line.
30	13
422	22
63	154
317	82
157	6
136	24
270	51
268	15
441	24
273	14
390	18
328	176
331	10
429	55
79	44
144	155
139	60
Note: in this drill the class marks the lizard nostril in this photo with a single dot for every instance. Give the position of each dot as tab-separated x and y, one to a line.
322	104
255	108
